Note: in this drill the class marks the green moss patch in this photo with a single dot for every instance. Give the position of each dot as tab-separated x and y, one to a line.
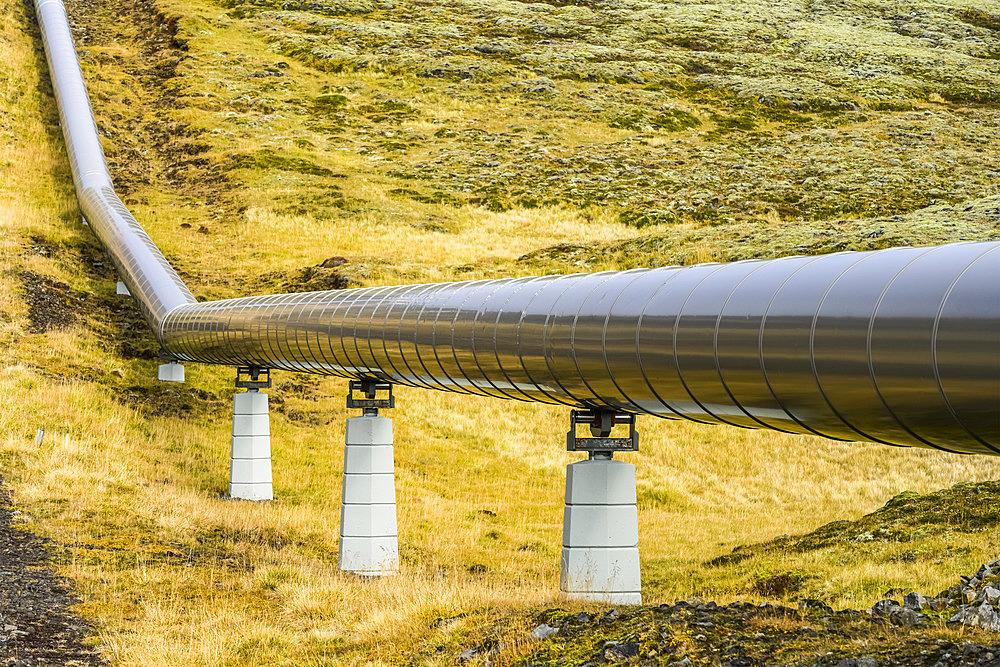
907	518
267	159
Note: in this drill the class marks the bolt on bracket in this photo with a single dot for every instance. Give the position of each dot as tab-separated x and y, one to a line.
601	422
370	390
253	377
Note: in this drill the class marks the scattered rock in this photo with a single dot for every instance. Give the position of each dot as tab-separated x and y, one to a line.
885	607
445	622
815	605
939	604
906	618
988	594
543	631
492	49
984	617
621	652
746	635
333	262
539	86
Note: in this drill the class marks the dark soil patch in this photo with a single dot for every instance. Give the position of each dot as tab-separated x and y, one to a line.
51	304
147	146
159	401
36	626
118	324
780	585
308	279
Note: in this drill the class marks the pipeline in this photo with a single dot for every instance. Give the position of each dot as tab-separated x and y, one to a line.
898	346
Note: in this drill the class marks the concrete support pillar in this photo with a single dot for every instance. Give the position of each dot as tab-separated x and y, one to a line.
250	465
368	542
600	556
170	372
122	289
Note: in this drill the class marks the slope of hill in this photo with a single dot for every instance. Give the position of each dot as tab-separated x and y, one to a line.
448	140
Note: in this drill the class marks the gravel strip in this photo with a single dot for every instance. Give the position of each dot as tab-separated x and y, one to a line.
36	626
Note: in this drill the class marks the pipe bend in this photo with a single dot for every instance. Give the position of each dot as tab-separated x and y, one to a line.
837	346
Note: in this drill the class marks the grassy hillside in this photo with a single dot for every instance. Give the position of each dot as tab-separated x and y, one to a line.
448	140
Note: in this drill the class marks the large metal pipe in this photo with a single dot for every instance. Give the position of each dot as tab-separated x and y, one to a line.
899	346
139	263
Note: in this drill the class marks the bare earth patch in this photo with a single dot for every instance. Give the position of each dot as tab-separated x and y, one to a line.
51	304
36	626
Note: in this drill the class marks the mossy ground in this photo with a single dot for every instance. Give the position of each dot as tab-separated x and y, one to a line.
653	134
436	141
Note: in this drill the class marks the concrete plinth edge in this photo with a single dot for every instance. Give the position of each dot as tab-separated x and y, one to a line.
255	492
171	372
250	448
600	556
369	546
610	598
369	556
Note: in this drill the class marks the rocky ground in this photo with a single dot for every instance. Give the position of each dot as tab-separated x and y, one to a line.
36	625
716	113
744	635
917	631
723	133
952	627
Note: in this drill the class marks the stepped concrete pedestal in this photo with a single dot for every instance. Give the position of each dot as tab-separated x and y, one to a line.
368	541
600	556
170	372
250	462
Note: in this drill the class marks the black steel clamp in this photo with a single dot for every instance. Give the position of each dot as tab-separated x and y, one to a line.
370	403
601	423
253	377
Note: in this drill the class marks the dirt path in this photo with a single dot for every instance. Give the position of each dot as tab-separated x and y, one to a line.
36	626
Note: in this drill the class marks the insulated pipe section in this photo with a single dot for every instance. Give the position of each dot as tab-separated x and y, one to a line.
898	346
139	263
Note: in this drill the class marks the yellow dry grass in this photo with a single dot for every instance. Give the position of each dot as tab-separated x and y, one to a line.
478	236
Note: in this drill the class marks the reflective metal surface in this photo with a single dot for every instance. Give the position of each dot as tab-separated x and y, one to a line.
899	346
139	263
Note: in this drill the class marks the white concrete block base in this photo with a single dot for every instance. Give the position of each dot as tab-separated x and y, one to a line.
369	545
122	289
172	372
600	557
250	460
